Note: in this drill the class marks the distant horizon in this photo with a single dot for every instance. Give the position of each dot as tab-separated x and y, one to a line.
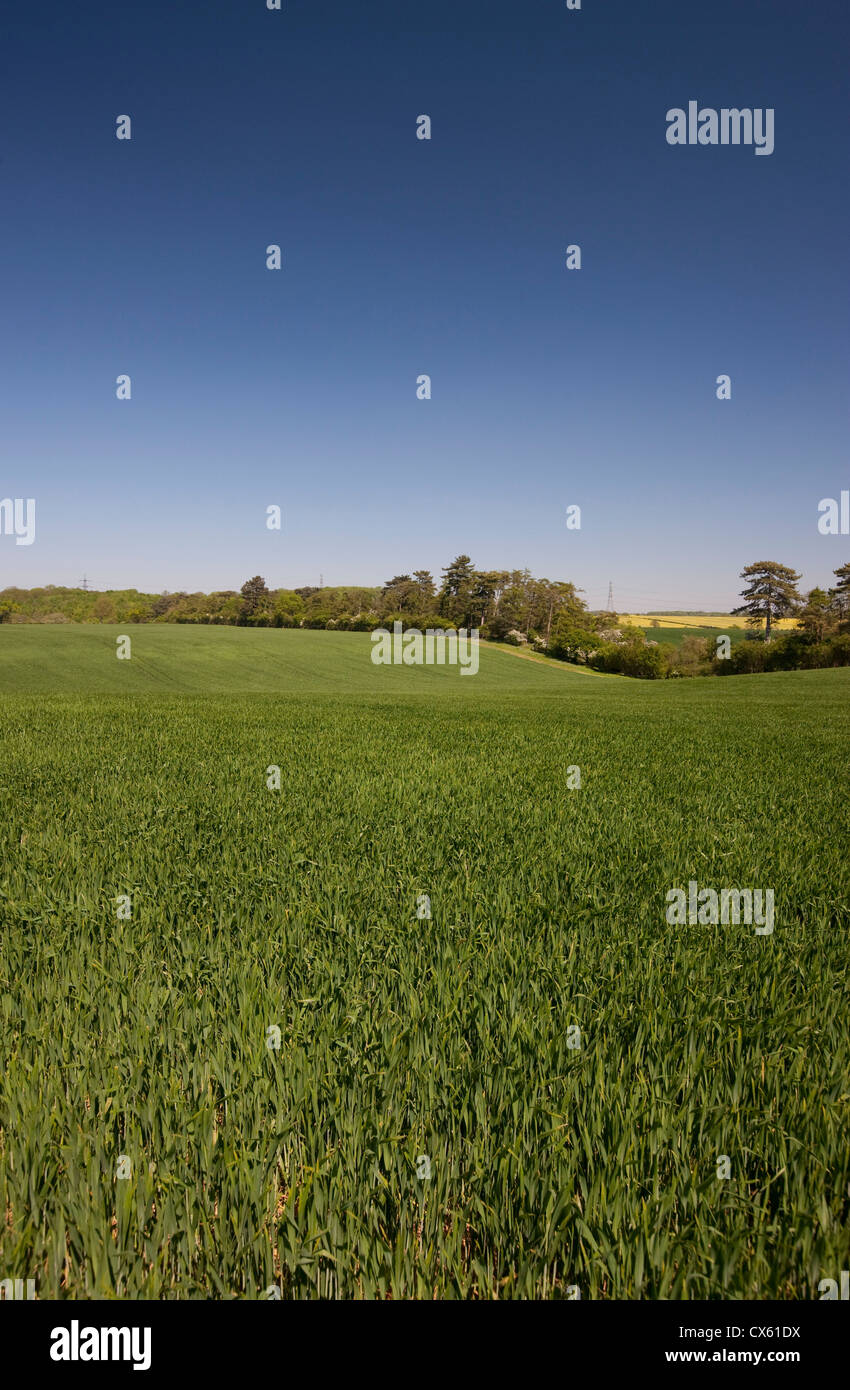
616	611
628	605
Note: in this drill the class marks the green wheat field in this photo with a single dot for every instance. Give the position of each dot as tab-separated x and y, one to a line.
569	1068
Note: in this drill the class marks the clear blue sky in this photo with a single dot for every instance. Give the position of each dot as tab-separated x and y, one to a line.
403	257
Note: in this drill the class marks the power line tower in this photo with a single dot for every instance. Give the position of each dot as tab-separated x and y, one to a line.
610	608
85	584
321	581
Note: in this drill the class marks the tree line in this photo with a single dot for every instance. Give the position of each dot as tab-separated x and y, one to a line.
502	601
821	637
504	605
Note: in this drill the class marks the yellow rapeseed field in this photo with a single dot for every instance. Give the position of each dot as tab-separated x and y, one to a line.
720	620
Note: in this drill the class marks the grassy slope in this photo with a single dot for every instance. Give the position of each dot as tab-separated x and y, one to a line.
402	1037
528	654
223	660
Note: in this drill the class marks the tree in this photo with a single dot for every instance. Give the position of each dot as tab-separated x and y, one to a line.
424	581
771	594
255	598
104	610
815	617
569	641
482	594
692	658
456	593
401	594
164	602
516	604
643	660
840	595
288	609
561	599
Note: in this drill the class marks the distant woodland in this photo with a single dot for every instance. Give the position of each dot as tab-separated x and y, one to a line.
504	605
